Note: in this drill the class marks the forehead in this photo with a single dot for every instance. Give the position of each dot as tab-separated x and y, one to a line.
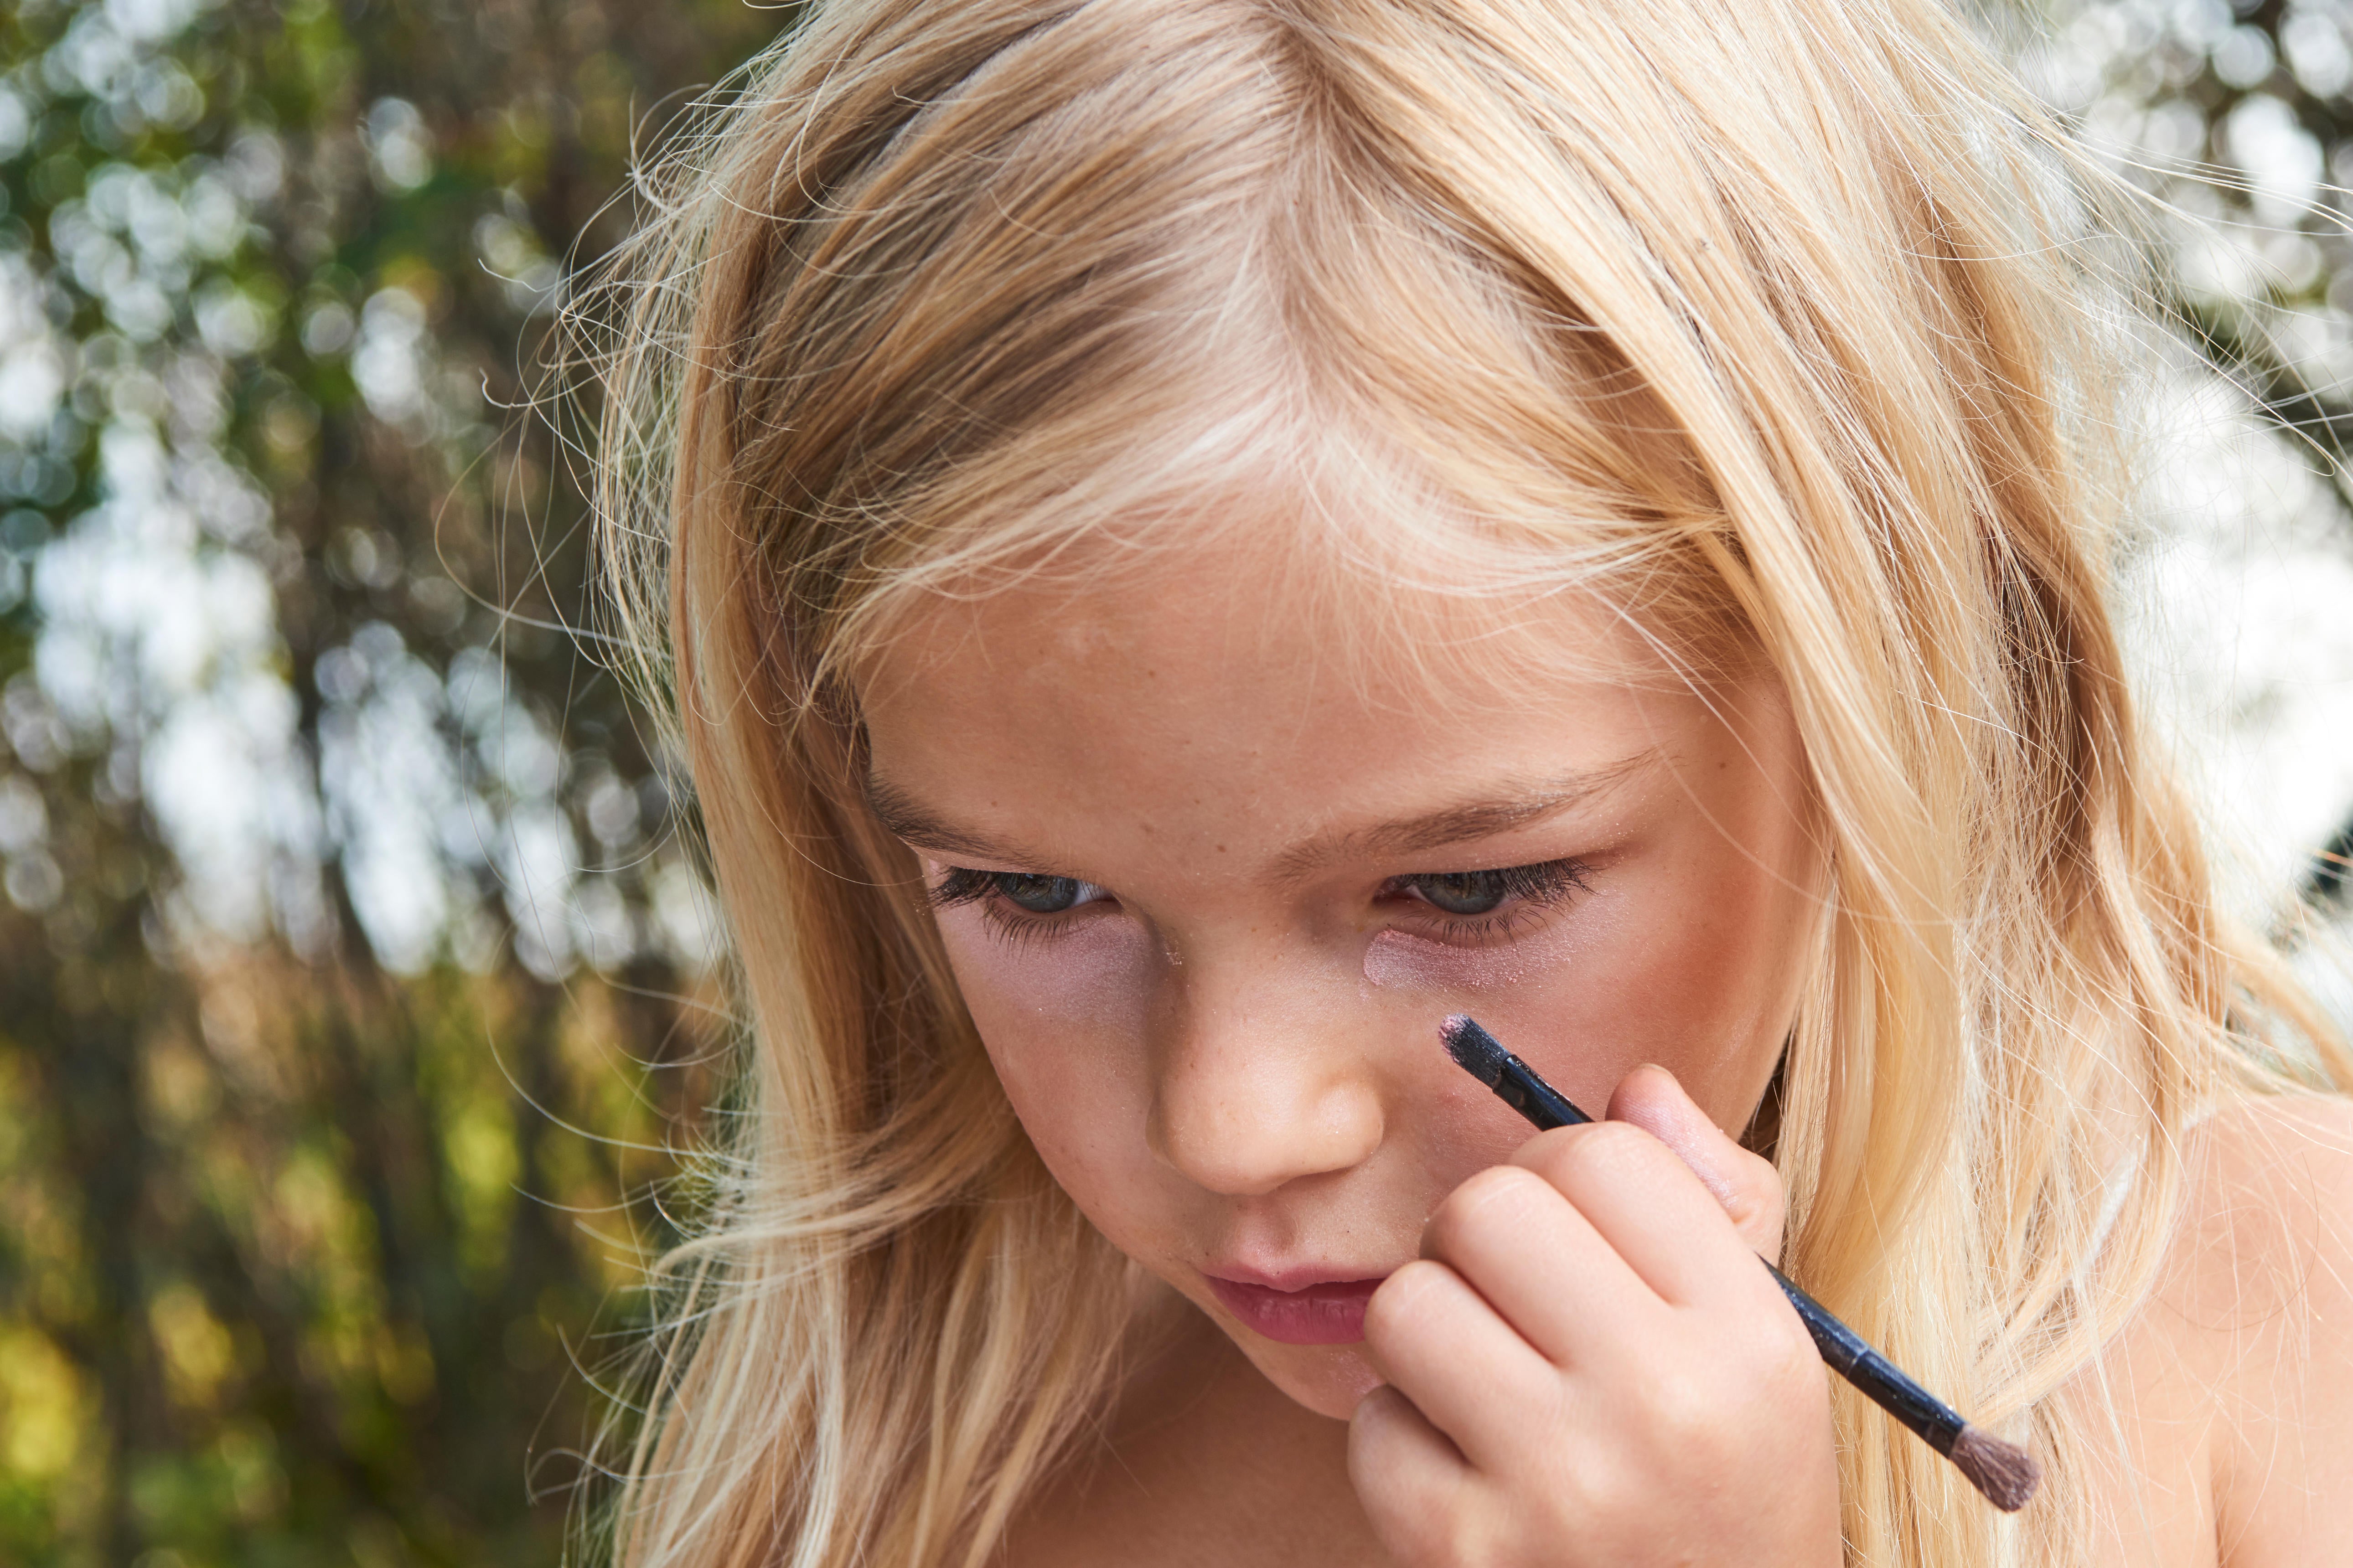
1228	699
1260	621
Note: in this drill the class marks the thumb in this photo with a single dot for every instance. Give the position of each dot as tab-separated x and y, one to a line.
1746	1183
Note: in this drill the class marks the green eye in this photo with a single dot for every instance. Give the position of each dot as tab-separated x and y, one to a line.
1464	892
1044	895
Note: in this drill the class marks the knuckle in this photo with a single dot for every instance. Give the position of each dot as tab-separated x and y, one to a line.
1698	1429
1795	1363
1760	1203
1420	1515
1371	1427
1688	1411
1760	1183
1497	1198
1419	1538
1450	1532
1403	1301
1611	1482
1554	1149
1605	1151
1782	1372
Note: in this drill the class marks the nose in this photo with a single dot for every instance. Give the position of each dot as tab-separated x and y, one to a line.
1257	1082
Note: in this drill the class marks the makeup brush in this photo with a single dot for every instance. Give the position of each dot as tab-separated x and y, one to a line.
2004	1472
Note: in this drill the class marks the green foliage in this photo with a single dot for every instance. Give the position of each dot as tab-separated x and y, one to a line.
314	1202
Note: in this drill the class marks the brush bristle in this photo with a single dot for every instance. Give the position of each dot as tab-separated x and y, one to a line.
2005	1472
1475	1050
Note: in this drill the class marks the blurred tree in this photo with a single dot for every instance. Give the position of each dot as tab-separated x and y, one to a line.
2237	115
343	917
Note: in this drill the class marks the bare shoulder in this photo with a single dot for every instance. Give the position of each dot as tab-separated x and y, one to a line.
2260	1292
2269	1221
2231	1392
2262	1138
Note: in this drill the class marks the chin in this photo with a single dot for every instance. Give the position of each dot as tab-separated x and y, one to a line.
1326	1379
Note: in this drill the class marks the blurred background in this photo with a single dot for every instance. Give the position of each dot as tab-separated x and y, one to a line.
353	990
350	985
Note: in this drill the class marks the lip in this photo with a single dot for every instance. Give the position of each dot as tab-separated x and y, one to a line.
1302	1310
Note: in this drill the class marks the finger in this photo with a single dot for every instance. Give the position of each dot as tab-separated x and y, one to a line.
1444	1348
1651	1210
1554	1278
1411	1481
1744	1181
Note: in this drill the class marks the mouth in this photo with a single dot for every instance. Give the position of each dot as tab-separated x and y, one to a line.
1321	1312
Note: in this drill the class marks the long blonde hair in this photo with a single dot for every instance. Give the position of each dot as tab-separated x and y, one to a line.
1772	320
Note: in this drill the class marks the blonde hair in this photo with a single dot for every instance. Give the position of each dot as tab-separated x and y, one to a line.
1770	321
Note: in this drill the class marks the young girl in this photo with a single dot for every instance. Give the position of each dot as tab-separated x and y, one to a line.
1192	539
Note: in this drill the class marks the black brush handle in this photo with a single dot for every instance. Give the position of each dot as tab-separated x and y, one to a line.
1851	1356
1848	1354
1545	1105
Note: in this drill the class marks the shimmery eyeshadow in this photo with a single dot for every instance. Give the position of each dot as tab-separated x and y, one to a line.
1396	959
1101	970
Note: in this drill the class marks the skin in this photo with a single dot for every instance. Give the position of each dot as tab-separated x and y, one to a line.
2233	1390
1226	1051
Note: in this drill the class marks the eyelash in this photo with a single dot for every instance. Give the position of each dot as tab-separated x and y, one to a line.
1529	889
963	885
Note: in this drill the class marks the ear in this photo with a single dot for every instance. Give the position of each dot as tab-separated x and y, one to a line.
1746	1183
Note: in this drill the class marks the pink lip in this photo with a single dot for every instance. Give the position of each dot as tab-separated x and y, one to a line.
1312	1312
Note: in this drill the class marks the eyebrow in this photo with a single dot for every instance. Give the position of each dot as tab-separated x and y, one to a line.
919	826
1516	806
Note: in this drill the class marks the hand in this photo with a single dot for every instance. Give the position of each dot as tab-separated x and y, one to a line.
1587	1366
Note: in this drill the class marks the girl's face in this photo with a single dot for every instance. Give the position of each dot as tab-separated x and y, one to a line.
1209	897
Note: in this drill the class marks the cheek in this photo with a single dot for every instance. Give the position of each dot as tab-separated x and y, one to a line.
1685	957
1063	1022
1550	996
1095	977
1700	977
